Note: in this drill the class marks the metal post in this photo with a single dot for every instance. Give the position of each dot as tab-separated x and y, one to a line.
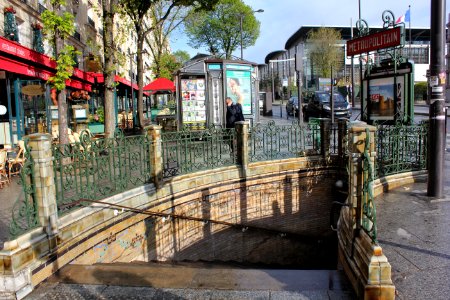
436	81
273	84
331	96
353	71
132	89
300	100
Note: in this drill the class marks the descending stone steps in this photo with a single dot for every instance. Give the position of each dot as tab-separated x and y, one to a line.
192	281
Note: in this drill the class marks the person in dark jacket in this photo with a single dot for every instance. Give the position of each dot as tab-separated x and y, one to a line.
234	113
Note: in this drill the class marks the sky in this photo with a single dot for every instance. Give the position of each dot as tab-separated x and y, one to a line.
282	18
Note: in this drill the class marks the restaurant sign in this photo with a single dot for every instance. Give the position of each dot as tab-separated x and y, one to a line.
384	39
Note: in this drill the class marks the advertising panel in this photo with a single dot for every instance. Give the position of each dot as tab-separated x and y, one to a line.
384	96
193	103
239	89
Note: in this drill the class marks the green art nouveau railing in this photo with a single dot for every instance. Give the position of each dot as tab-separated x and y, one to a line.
190	151
25	208
269	142
97	168
368	222
400	148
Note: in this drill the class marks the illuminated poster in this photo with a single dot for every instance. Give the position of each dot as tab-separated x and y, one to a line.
239	89
382	98
193	103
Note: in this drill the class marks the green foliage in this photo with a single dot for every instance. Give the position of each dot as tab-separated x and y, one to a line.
64	67
323	50
220	30
166	67
420	90
181	56
58	27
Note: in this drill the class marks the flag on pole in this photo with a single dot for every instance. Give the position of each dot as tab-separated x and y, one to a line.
405	18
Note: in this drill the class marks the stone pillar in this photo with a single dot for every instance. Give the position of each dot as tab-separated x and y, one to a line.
363	260
242	143
156	159
325	130
357	144
40	147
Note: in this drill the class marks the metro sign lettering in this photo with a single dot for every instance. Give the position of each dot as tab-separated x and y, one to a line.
380	40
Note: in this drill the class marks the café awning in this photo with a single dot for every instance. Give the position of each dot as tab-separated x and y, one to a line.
160	84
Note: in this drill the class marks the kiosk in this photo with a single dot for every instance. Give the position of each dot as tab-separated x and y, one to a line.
204	83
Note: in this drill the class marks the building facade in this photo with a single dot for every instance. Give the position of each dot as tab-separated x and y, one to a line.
26	65
279	66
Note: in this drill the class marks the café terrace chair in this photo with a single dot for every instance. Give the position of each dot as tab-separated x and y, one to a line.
15	164
3	174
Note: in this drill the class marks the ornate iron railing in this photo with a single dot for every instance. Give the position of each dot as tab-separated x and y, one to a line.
369	219
98	168
400	148
270	141
190	151
25	209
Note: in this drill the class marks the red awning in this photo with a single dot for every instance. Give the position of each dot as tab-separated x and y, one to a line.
101	79
13	66
160	84
42	60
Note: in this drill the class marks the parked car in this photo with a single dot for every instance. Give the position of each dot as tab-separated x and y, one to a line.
292	106
319	106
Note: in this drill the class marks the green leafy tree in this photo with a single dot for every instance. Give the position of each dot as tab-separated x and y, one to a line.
139	12
220	30
158	39
58	26
323	50
166	66
181	56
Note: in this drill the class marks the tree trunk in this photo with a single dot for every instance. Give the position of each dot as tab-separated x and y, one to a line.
61	96
109	68
140	82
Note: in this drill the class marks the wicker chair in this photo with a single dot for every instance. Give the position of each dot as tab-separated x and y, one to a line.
15	164
3	174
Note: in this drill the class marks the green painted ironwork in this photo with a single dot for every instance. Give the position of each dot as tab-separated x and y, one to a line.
97	168
190	151
25	209
401	148
369	214
270	141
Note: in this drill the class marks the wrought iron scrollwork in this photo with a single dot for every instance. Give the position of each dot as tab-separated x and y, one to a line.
369	219
363	27
388	19
25	209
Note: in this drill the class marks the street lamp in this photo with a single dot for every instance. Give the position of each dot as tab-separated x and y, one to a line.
241	16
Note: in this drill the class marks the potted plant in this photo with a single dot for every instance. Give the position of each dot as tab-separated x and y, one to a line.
97	120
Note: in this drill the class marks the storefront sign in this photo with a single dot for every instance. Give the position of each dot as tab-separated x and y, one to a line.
36	57
380	40
33	90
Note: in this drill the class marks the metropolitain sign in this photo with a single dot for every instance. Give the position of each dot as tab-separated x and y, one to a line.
380	40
